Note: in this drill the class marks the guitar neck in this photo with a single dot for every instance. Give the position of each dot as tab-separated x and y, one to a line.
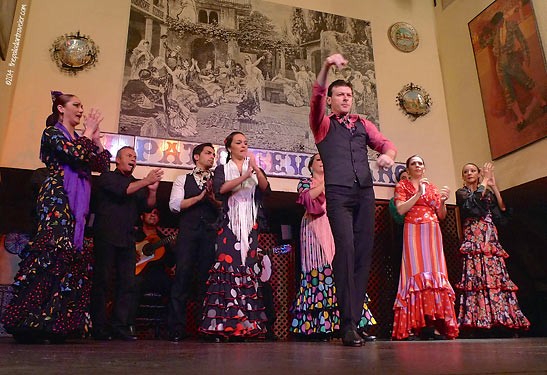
163	241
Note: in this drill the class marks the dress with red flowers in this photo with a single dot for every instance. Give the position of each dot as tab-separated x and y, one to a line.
488	295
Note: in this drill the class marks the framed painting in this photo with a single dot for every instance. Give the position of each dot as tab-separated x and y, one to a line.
512	74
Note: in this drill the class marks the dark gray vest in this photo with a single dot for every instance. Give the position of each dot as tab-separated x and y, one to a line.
201	213
344	156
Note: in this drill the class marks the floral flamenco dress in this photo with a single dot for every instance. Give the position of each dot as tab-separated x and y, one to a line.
424	290
488	295
315	308
52	287
233	305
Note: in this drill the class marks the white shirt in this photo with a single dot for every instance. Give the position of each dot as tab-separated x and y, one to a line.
177	193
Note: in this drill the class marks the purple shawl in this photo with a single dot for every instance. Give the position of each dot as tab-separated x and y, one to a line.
78	190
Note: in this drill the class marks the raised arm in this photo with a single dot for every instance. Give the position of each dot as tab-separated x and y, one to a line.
441	210
494	187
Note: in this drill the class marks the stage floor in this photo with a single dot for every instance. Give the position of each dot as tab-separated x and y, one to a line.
476	356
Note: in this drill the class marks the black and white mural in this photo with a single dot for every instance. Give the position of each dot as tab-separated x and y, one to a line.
197	70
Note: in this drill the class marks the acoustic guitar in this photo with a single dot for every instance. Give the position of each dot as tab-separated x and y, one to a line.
151	249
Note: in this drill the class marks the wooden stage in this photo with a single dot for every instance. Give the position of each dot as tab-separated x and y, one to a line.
464	356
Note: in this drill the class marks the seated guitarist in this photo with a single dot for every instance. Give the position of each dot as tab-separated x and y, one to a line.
153	275
193	199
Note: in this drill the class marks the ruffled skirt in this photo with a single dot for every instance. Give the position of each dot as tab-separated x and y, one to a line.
488	295
425	294
51	289
233	304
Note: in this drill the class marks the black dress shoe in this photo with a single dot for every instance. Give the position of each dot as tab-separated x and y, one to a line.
366	337
428	333
123	335
175	337
351	338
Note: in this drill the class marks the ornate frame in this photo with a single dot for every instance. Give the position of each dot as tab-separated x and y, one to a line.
414	101
74	52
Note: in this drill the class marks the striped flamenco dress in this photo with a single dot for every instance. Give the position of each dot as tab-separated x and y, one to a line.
424	290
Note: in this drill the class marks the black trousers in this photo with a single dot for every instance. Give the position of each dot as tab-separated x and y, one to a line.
152	279
351	216
193	248
107	258
269	306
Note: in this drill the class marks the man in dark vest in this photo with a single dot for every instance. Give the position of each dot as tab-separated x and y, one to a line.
192	196
342	141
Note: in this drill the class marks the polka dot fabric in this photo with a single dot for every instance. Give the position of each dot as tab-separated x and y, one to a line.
52	287
315	308
233	303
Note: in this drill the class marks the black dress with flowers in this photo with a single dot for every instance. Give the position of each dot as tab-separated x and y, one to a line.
51	289
233	303
488	295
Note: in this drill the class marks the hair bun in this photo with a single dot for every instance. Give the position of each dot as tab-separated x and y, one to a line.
55	95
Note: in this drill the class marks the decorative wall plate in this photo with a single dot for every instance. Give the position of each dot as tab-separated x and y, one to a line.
403	36
414	101
74	52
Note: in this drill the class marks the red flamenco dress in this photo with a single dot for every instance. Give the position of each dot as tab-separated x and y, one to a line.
425	294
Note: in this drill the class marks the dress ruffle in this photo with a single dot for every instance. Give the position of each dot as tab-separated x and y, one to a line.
488	294
426	294
233	303
475	236
51	289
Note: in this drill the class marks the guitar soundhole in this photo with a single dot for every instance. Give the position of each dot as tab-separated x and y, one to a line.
147	250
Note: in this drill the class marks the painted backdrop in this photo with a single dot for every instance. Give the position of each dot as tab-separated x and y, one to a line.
197	70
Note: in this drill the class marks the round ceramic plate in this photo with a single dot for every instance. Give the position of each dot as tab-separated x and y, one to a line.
404	36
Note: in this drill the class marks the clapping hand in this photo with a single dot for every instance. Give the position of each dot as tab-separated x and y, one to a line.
492	179
445	192
209	190
421	184
153	178
92	122
487	172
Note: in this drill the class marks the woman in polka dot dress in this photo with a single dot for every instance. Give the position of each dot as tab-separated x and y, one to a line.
51	290
425	299
315	309
233	305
